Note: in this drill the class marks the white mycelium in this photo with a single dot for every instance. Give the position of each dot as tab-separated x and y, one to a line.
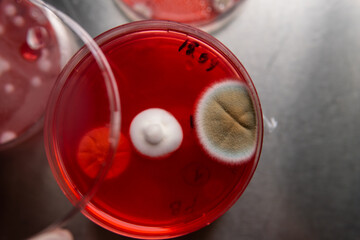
155	133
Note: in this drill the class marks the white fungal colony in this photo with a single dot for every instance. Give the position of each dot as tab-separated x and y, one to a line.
156	133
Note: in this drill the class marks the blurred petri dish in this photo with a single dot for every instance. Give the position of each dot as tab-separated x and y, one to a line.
191	130
34	46
209	15
36	41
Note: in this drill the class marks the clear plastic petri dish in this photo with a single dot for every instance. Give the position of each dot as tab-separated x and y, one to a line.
209	15
191	130
36	41
34	46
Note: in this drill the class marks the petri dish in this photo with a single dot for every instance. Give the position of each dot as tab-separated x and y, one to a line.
36	41
209	15
191	130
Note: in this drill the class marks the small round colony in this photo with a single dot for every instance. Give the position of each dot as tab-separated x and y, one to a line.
93	151
226	123
155	133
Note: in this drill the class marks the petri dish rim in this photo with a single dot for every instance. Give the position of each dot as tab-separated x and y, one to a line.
150	232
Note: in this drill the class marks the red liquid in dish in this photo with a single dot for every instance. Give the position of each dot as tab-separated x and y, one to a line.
29	65
144	197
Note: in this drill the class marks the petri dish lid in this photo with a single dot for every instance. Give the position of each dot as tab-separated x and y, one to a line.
41	45
209	15
36	42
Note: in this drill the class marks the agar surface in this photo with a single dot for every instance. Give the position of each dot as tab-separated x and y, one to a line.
226	123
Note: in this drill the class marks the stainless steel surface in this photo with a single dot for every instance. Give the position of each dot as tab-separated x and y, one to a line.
303	56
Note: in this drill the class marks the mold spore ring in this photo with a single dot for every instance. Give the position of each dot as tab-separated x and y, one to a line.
225	122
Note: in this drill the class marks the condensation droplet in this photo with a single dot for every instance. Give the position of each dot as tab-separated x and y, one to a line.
28	53
19	21
4	66
10	10
44	64
9	88
37	15
45	52
203	3
208	10
37	37
36	81
143	9
222	5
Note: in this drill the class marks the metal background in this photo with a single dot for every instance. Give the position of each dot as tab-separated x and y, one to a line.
303	56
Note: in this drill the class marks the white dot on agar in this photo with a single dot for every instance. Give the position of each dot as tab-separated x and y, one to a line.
226	123
19	21
36	81
44	64
4	65
10	10
9	88
143	9
7	136
155	133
